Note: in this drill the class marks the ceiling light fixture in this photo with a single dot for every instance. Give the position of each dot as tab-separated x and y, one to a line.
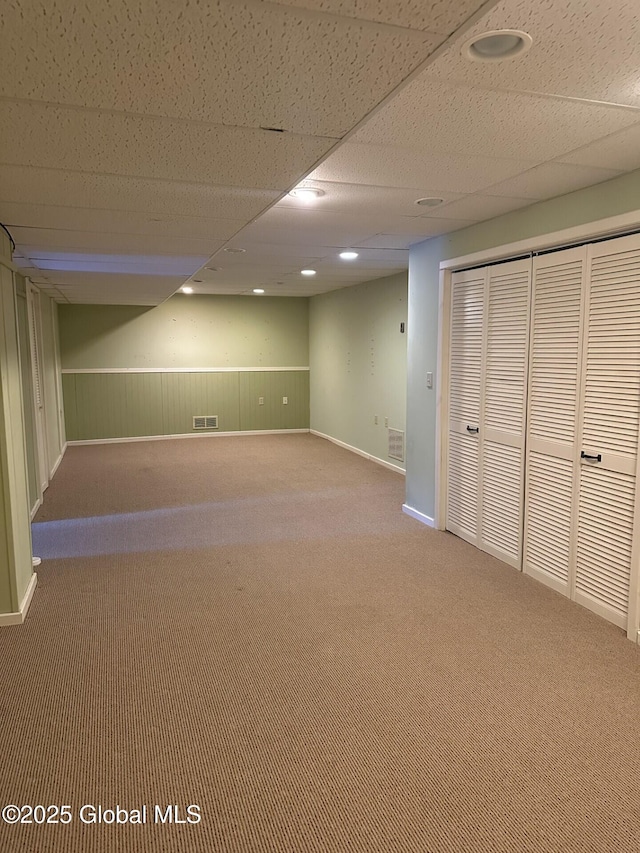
429	201
234	251
306	193
258	290
496	45
348	256
307	272
186	289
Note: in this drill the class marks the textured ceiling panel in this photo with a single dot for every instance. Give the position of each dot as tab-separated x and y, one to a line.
619	151
478	207
581	49
437	118
220	61
405	167
79	189
359	200
287	226
436	16
117	222
87	141
114	289
551	179
39	239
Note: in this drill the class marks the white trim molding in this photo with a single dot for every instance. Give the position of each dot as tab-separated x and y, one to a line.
419	516
58	461
19	617
182	369
359	452
186	435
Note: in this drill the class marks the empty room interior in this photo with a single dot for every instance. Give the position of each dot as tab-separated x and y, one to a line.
319	426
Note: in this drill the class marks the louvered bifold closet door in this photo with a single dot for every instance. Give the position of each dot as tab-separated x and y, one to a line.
465	380
503	413
556	333
609	429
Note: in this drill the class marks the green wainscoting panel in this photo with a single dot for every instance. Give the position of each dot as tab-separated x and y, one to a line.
126	405
272	386
27	392
117	405
185	395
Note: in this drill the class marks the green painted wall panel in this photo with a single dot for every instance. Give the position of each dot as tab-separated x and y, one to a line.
187	394
118	405
125	405
273	386
50	378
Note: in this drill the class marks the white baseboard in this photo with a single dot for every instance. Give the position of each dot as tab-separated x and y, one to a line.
187	435
19	617
419	516
357	450
58	461
35	508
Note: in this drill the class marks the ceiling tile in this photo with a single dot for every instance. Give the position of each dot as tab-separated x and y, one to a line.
619	151
404	239
30	185
359	200
95	287
434	117
226	62
117	222
395	166
436	16
38	239
478	207
87	141
551	179
286	226
580	50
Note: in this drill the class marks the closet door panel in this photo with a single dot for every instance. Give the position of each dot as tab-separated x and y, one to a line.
610	429
465	394
503	415
549	548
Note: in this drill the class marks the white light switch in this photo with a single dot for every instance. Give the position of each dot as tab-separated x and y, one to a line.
285	401
429	380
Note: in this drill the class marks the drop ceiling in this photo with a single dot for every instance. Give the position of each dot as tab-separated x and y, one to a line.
139	141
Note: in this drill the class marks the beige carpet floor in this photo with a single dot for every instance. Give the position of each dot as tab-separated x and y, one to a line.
251	625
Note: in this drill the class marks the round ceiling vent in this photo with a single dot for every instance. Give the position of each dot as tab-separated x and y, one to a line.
496	45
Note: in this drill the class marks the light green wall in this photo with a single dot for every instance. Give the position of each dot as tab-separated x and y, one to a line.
49	318
187	331
358	363
15	532
27	391
620	195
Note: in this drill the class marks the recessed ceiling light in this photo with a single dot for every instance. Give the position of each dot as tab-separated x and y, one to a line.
496	45
234	251
186	289
306	193
430	201
308	272
258	290
348	256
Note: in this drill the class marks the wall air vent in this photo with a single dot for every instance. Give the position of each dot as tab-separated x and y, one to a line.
396	444
205	422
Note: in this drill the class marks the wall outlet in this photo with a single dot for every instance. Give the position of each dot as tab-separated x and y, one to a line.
375	419
285	401
261	401
386	422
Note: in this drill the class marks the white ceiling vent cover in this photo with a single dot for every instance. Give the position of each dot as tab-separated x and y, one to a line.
396	444
205	422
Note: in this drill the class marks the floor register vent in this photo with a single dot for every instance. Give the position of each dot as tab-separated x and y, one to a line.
396	444
205	422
